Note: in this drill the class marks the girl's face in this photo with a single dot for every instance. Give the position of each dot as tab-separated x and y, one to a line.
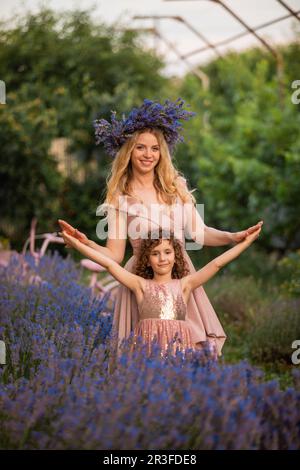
162	257
146	153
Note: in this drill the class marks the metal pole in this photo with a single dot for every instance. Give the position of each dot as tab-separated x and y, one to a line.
196	71
239	35
278	58
181	20
292	12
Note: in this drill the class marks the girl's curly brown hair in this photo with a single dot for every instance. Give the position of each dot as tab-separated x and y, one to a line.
154	238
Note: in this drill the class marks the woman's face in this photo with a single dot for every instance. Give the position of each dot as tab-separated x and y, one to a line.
146	153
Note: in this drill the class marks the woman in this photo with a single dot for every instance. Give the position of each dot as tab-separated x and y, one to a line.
142	178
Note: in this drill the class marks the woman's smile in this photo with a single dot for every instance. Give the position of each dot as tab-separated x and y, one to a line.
146	162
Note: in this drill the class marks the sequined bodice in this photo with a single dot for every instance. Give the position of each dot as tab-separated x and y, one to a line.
163	301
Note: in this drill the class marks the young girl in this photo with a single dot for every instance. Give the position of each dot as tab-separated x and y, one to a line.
162	285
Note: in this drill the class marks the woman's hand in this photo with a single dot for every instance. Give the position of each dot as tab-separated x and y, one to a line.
240	236
69	230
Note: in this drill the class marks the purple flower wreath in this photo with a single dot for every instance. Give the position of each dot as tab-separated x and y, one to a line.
165	117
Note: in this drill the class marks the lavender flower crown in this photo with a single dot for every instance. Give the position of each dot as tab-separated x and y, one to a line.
165	117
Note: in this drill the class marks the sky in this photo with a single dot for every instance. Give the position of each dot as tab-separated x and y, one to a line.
206	16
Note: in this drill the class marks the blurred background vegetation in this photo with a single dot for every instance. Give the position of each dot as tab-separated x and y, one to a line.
241	153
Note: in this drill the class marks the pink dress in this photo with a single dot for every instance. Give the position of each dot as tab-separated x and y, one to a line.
162	317
204	325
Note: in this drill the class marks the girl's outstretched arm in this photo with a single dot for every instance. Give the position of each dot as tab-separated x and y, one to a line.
133	282
192	281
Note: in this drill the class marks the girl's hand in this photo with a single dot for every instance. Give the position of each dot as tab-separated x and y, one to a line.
69	240
240	236
69	230
252	236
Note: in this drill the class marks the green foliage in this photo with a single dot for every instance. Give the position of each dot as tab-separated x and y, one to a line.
61	72
243	147
255	263
290	270
29	178
82	210
260	323
274	330
236	298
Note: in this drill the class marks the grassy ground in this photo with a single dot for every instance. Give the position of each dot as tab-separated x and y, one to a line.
236	350
260	324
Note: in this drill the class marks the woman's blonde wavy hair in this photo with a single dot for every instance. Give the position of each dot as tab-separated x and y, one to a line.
168	181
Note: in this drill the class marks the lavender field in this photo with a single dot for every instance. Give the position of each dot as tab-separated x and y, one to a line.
57	391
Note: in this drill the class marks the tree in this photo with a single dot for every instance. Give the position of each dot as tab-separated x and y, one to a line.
62	72
243	151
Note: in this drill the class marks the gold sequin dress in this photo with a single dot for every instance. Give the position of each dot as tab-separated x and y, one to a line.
162	317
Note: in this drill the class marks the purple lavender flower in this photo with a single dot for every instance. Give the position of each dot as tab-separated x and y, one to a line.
56	391
165	117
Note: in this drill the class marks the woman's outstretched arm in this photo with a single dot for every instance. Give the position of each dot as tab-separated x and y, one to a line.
196	229
214	237
125	277
192	281
209	236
